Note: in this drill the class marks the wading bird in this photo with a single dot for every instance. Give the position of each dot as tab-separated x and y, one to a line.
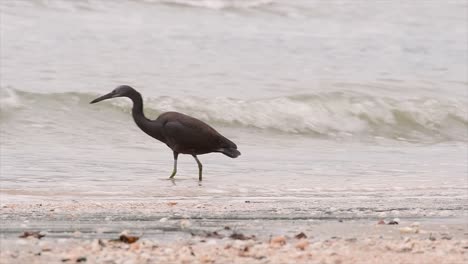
181	133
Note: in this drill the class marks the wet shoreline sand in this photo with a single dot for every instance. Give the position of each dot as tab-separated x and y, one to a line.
212	231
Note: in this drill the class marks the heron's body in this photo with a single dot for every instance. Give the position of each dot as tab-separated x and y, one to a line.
182	133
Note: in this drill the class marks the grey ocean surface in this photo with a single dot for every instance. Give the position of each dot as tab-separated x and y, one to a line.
346	104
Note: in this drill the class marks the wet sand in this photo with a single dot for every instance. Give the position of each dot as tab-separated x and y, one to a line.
239	231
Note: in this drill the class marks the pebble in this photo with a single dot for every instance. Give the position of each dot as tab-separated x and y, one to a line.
212	242
302	244
300	235
162	220
206	259
95	245
184	223
408	230
278	241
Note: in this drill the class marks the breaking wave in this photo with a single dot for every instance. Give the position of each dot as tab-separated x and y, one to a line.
327	114
216	4
74	5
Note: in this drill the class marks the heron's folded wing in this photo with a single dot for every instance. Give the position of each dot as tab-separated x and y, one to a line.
192	134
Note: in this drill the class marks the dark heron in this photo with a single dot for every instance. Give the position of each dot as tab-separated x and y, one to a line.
182	133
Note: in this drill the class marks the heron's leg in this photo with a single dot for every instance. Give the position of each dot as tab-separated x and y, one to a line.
200	168
175	165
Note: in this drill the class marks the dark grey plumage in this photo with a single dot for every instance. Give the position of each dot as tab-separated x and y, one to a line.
182	133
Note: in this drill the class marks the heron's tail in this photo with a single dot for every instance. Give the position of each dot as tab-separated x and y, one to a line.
230	152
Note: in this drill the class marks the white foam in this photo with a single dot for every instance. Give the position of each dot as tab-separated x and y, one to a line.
217	4
9	100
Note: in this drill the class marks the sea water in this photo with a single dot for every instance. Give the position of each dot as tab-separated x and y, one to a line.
347	104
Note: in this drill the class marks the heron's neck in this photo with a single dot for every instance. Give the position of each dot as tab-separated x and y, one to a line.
137	110
152	128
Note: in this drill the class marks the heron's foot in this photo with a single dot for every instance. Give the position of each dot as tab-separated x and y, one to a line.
172	175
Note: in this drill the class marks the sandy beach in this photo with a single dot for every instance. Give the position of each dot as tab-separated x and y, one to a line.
180	231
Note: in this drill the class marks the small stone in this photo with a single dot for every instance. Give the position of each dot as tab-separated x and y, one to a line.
300	235
278	241
211	242
135	246
162	220
206	259
381	222
35	234
239	236
302	244
95	245
185	223
407	230
128	239
45	246
446	237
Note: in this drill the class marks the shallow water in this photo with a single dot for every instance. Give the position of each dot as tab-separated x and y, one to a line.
338	104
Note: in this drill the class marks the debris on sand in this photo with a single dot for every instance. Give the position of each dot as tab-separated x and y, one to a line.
213	234
445	236
35	234
300	235
381	222
128	239
81	259
239	236
172	203
393	222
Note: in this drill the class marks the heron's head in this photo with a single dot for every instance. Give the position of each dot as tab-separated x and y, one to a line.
121	91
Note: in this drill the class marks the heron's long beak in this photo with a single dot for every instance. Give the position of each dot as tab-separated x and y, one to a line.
104	97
